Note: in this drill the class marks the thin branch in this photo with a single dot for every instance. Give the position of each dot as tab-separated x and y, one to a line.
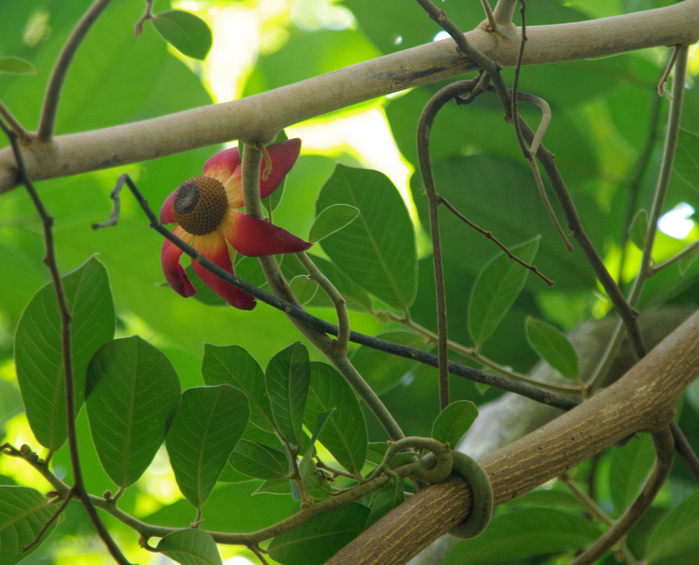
319	325
69	377
53	92
50	521
665	451
13	122
492	23
504	10
691	248
685	451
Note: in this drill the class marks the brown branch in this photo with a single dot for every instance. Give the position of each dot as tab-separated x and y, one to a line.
643	400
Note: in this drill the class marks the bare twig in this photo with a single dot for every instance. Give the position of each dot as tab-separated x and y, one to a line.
504	10
69	379
50	521
665	451
13	122
691	248
53	92
492	23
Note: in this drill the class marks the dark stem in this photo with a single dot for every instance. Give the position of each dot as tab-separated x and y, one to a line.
50	521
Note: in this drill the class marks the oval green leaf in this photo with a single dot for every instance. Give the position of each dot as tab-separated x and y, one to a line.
205	431
23	513
38	347
132	395
286	381
190	547
355	295
524	533
639	228
330	220
319	538
377	251
345	433
259	461
454	421
630	466
686	165
553	347
497	287
16	66
676	533
186	32
233	365
304	288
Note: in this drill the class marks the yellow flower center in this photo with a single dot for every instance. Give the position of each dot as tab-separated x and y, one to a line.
200	204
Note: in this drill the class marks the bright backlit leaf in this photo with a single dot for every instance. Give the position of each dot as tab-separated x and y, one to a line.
332	219
185	32
190	547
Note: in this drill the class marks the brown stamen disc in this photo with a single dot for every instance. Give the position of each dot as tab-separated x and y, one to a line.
200	204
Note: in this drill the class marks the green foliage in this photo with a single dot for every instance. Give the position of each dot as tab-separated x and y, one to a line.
639	228
190	547
332	219
132	395
23	513
16	66
553	347
687	162
207	427
454	421
39	350
675	535
186	32
630	466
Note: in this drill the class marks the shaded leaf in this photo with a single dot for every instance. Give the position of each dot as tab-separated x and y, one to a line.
629	468
259	461
687	261
386	499
274	486
553	347
454	421
314	483
190	547
16	66
304	288
377	251
332	219
286	381
355	295
639	228
345	433
319	538
132	395
38	347
207	427
523	533
381	370
23	512
233	365
186	32
496	289
686	165
677	532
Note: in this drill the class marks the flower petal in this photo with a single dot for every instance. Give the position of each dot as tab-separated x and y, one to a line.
254	237
214	248
225	167
283	156
174	273
167	212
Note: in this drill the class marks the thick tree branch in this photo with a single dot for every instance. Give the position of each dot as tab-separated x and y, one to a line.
260	117
643	400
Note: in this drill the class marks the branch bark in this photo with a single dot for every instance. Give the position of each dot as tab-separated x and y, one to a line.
644	400
258	118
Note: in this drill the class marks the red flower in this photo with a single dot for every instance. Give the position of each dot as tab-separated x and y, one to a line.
206	211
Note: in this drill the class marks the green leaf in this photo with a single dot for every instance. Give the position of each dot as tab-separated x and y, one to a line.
496	289
286	380
274	486
386	499
332	219
382	371
315	484
16	66
686	165
207	428
378	250
186	32
629	468
233	365
524	533
132	395
355	295
190	547
345	434
687	261
23	512
639	228
319	538
304	288
259	461
38	349
677	532
553	347
454	421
